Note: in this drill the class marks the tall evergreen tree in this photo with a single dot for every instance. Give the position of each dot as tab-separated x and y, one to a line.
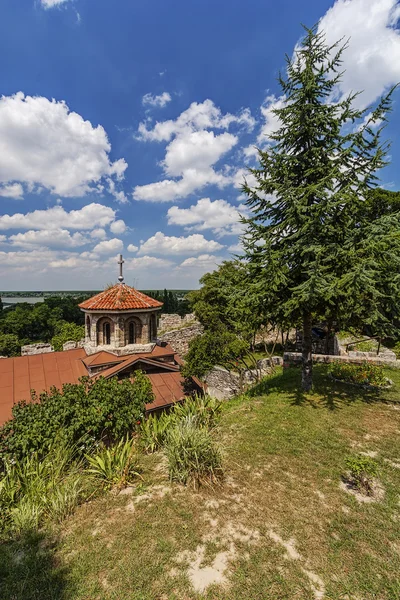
313	248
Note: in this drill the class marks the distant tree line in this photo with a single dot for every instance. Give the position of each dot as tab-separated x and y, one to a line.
56	320
173	302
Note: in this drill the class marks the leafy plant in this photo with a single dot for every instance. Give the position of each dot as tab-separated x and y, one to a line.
365	374
153	431
192	454
362	470
396	349
115	466
82	413
37	489
364	346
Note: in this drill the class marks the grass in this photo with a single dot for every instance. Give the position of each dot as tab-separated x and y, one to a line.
279	528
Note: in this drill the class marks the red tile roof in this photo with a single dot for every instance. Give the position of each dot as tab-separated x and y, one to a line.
120	297
18	376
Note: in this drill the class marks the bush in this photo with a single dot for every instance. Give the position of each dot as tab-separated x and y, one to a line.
362	470
86	412
203	409
365	374
115	466
192	454
37	489
396	350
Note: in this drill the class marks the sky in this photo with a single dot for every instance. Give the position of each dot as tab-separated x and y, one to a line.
127	126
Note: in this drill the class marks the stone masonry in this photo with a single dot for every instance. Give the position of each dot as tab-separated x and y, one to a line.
180	339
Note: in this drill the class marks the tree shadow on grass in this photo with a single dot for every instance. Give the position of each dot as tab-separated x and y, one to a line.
29	569
326	392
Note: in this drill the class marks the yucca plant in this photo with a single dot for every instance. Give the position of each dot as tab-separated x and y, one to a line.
115	466
205	409
153	431
192	453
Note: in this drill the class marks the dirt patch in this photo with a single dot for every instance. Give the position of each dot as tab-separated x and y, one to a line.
376	496
370	453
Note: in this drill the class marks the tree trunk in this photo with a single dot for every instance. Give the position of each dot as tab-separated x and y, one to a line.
306	375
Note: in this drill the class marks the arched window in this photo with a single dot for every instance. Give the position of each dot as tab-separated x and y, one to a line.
132	333
106	334
88	327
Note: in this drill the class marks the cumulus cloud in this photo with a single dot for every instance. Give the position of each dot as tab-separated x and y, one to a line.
146	262
132	248
109	246
13	190
218	215
53	238
192	244
89	217
156	101
192	150
43	143
98	234
118	227
204	262
271	120
372	60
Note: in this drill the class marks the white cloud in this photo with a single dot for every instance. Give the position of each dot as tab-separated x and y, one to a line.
236	248
132	248
192	244
118	226
13	190
271	120
204	262
196	149
52	3
109	246
372	61
156	101
3	238
218	215
192	150
43	143
57	238
98	234
147	262
88	217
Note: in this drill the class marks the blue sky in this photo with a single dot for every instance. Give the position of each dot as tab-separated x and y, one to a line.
126	126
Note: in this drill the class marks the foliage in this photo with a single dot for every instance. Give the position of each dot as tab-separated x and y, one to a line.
205	411
9	345
105	409
192	453
396	350
365	374
38	489
153	431
364	346
315	249
362	470
216	347
66	332
116	465
173	301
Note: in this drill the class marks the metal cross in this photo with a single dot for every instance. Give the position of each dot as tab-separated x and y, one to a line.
120	262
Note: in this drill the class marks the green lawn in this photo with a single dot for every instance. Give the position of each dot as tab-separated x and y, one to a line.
280	527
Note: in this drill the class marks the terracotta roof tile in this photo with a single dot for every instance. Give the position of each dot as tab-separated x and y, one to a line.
120	297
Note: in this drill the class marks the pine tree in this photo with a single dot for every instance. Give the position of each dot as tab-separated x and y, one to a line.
313	248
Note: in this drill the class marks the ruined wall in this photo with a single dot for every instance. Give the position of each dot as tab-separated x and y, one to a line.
293	359
32	349
223	384
180	339
173	321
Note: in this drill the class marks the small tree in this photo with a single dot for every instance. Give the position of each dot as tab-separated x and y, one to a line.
313	251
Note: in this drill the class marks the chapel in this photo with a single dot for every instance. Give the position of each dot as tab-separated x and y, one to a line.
120	337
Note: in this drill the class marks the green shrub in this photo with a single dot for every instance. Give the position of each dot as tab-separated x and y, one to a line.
153	431
115	466
365	374
203	409
86	413
192	453
365	346
362	470
37	489
396	349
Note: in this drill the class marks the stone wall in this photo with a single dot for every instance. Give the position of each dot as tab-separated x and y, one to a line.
71	345
32	349
180	339
173	321
223	384
293	359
